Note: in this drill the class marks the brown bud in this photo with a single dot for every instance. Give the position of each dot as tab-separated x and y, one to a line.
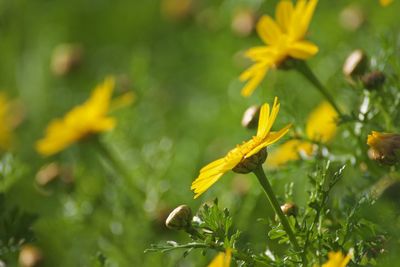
384	147
30	256
251	163
180	218
289	209
373	80
47	173
250	117
65	58
356	64
352	17
243	22
176	9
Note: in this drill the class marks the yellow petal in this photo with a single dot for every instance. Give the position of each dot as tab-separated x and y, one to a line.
254	81
301	18
266	121
337	259
212	165
199	187
302	50
283	14
222	259
321	123
268	30
269	140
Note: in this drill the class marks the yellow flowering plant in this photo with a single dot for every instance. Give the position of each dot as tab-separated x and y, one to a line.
242	153
283	38
84	120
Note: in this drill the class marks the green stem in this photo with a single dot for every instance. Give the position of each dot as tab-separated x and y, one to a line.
302	67
104	151
259	172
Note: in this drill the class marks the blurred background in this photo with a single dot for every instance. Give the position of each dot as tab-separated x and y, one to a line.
182	59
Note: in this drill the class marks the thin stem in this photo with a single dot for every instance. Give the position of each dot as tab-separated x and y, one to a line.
303	68
259	172
119	168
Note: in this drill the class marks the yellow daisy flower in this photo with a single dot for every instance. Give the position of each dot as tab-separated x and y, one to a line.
6	124
321	127
337	259
283	38
83	120
385	2
222	259
212	172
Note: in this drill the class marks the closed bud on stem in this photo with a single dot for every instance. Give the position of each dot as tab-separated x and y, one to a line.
289	209
65	58
250	117
30	256
180	218
356	64
373	80
251	163
384	147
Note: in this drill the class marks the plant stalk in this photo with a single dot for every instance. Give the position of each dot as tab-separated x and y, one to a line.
259	172
302	67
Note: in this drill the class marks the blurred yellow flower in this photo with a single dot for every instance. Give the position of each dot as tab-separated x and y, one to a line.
385	2
83	120
222	259
321	123
337	259
283	38
321	127
212	172
6	124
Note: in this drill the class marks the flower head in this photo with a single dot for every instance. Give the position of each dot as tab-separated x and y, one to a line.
222	259
384	147
83	120
283	38
212	172
321	127
337	259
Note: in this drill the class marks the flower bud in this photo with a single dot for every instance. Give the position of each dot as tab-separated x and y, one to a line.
65	58
243	22
250	117
250	164
30	256
180	218
289	209
356	64
373	80
352	17
384	147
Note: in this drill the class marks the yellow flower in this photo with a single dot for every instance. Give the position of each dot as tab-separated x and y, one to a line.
213	171
321	127
83	120
283	39
222	259
6	123
384	147
337	259
321	123
385	2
